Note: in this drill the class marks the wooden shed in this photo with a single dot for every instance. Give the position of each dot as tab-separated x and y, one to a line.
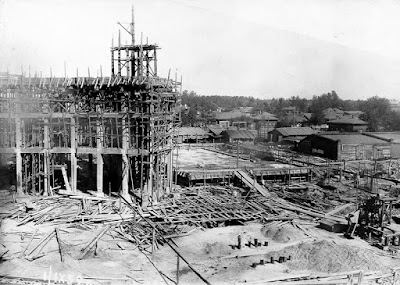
238	135
345	146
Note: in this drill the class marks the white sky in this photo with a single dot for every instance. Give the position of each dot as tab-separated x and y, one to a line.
260	48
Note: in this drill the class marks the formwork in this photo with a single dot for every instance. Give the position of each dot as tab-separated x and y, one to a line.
66	130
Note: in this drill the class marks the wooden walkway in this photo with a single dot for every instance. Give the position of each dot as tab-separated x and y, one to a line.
250	182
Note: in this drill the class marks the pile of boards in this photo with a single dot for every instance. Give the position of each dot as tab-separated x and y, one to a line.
172	217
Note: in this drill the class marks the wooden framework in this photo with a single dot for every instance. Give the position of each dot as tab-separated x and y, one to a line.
50	123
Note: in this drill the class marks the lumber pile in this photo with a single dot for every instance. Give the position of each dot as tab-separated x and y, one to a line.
172	217
66	210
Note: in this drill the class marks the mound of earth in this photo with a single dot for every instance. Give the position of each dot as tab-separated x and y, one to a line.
284	233
327	256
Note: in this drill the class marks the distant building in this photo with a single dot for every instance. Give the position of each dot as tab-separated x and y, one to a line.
215	133
190	135
331	114
231	115
291	134
296	120
289	110
224	124
393	137
239	125
264	122
233	136
345	124
345	146
226	119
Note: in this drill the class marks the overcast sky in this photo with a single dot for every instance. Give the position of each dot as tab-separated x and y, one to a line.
258	48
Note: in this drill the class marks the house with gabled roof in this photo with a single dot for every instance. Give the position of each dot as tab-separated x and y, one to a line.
289	134
348	124
264	122
345	146
233	136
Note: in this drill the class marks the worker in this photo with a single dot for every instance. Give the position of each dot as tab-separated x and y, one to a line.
352	220
356	180
13	191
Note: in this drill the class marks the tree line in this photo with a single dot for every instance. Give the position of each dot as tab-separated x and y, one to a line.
377	111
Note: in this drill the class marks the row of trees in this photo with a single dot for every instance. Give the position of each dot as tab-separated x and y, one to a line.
377	110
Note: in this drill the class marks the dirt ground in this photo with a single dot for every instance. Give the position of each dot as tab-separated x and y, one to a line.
211	252
196	157
199	157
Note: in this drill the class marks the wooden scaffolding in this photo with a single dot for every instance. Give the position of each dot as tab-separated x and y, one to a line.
122	122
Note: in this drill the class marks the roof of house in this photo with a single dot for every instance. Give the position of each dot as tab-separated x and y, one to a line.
354	112
191	132
295	131
307	115
347	121
333	110
295	138
298	118
229	115
240	134
332	116
216	129
265	116
352	138
394	136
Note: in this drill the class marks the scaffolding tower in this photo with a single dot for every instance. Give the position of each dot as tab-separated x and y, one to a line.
123	124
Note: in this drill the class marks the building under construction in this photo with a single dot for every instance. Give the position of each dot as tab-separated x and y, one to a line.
93	133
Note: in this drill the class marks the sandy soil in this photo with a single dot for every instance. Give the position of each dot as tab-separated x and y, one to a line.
211	252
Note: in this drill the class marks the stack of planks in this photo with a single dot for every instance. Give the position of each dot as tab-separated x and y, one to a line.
172	217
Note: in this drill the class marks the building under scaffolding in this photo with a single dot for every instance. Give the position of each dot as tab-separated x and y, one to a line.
105	133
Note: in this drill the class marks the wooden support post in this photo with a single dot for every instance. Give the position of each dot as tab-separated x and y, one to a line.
237	154
176	165
59	244
18	162
74	160
170	172
65	177
125	161
99	158
373	190
46	160
177	269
